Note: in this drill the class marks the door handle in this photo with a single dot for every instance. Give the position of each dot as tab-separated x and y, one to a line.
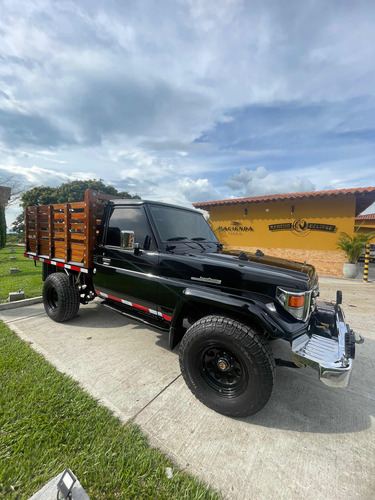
106	261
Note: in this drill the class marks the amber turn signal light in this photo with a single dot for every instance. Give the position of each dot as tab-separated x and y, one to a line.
296	300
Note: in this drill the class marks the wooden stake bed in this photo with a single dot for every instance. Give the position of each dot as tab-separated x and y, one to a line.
65	232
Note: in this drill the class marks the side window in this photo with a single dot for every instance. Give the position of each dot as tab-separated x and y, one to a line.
129	219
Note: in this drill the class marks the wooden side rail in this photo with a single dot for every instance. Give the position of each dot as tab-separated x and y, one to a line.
66	231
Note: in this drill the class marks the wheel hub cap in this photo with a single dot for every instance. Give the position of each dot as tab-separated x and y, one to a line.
223	364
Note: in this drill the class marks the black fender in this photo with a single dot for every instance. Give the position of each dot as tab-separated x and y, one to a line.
252	310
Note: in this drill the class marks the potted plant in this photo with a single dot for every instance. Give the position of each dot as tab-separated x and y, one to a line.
353	247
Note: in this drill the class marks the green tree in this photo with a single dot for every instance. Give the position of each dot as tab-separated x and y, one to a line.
3	227
68	192
18	225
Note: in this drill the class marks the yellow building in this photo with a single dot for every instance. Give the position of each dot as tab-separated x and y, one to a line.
296	226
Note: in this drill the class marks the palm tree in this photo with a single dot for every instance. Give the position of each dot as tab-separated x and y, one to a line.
353	245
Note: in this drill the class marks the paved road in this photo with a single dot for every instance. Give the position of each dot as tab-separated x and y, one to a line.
310	441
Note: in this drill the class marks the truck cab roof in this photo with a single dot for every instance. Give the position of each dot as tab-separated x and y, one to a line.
132	201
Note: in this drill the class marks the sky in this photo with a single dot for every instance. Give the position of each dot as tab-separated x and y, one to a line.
188	100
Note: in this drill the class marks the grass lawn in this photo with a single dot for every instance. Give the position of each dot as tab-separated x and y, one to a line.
47	423
29	278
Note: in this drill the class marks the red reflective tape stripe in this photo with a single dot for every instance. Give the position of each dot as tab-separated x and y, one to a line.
114	298
141	307
137	306
60	264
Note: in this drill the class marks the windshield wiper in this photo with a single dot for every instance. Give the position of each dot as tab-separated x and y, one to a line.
199	238
177	238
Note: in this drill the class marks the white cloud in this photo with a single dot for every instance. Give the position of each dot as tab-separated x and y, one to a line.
196	190
125	91
259	181
38	176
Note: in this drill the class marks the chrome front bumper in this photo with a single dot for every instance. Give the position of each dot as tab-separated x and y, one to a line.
328	356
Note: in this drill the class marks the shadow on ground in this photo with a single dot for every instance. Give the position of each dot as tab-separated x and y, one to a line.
300	402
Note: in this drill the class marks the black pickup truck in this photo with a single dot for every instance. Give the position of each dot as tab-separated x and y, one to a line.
163	265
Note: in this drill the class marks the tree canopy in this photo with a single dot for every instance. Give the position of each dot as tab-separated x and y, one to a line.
68	192
18	225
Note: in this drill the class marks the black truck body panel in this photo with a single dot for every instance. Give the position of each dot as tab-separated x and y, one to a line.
178	277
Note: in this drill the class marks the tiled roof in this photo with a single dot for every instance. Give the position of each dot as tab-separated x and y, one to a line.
286	196
365	217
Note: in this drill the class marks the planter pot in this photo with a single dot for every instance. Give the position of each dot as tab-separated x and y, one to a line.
350	270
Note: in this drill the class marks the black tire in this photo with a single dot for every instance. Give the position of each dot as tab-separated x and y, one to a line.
49	269
227	365
60	298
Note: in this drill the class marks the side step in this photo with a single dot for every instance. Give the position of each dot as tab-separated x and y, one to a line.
129	312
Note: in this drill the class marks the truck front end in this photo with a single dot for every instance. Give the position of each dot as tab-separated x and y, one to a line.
327	344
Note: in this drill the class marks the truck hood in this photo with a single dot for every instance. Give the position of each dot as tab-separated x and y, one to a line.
287	266
245	270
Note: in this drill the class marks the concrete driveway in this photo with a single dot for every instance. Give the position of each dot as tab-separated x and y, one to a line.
310	441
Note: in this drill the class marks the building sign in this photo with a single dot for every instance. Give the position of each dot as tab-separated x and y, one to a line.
301	226
235	228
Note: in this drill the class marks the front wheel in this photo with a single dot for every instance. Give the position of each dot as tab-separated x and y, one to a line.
227	366
60	298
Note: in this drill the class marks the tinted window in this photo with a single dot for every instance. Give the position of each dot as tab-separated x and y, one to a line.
129	219
178	224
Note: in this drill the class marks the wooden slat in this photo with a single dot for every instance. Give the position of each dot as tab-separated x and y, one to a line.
66	235
60	245
58	215
77	215
43	247
86	253
59	206
50	236
77	246
77	256
59	253
77	236
77	204
77	226
37	229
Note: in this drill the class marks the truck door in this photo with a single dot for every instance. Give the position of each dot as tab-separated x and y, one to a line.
128	274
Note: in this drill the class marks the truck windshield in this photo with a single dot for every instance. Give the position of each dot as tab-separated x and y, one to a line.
174	224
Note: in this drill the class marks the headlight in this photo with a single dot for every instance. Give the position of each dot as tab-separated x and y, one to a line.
296	303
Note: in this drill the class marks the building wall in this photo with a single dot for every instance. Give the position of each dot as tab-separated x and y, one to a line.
304	235
365	226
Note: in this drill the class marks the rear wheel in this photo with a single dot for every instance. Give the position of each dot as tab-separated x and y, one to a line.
60	298
227	365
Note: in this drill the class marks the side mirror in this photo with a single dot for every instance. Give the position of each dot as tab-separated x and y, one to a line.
127	240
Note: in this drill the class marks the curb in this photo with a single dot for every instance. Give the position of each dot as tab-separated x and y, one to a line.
21	303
